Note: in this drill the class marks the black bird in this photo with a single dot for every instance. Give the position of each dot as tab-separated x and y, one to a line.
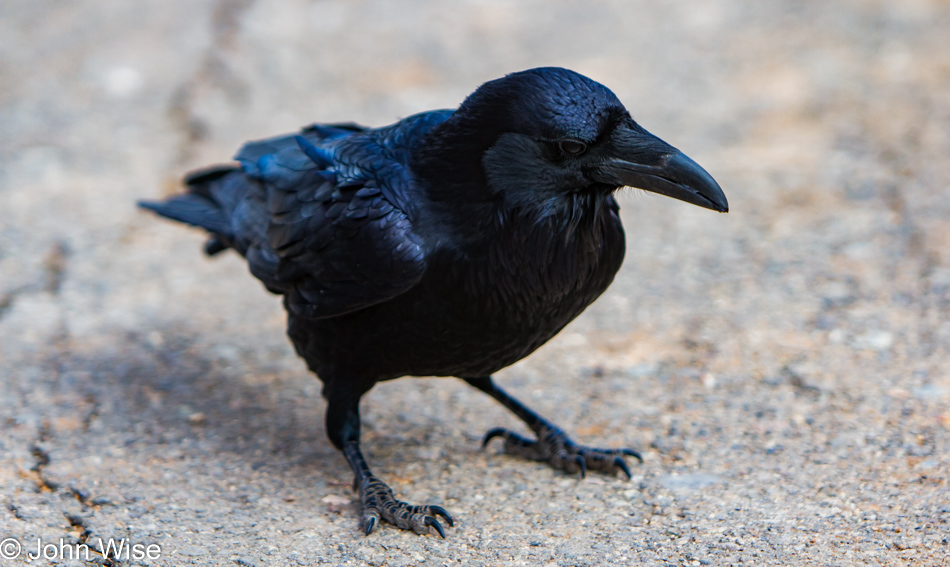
452	243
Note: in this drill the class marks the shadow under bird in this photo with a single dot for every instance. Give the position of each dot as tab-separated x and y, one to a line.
451	243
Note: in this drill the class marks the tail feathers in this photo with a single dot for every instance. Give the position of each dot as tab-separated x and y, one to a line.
213	194
191	209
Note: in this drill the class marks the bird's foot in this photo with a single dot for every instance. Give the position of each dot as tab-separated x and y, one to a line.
556	448
378	502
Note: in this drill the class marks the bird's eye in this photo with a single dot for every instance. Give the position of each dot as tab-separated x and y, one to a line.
572	147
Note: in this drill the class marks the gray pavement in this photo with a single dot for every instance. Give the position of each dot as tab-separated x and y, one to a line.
783	368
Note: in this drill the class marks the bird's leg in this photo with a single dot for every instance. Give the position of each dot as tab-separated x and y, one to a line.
552	445
377	499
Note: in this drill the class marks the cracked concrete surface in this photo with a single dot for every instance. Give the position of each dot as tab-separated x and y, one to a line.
783	368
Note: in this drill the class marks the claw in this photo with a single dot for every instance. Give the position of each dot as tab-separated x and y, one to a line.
370	523
622	465
430	521
492	433
632	453
581	464
442	512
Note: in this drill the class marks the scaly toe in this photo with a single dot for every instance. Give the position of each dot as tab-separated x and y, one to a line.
556	448
379	503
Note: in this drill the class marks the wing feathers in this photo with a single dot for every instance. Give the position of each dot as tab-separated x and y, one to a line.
322	216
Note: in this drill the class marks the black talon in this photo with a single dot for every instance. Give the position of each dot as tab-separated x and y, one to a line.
632	453
430	521
442	512
622	465
492	433
582	464
370	525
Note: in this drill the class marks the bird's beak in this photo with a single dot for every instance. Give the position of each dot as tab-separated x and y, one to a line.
640	159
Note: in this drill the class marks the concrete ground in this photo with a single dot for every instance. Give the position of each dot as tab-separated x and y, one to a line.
783	368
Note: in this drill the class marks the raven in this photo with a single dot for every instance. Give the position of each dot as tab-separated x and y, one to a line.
451	243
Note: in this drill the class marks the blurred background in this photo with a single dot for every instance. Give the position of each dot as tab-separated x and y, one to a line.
783	367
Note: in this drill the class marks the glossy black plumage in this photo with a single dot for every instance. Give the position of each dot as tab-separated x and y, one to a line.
447	244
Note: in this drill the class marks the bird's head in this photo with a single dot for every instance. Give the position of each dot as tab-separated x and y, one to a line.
546	133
